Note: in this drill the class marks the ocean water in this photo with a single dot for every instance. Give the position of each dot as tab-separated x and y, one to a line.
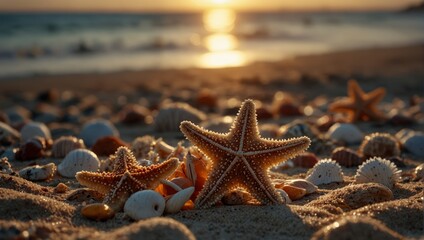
41	43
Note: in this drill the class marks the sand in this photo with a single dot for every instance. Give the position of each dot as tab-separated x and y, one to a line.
35	210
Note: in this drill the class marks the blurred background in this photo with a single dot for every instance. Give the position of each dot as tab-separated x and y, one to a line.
49	37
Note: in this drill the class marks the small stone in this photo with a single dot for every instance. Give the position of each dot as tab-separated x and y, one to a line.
61	188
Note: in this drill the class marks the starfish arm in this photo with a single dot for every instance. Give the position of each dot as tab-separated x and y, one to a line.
245	125
274	152
211	143
124	160
342	105
150	176
261	188
354	91
101	182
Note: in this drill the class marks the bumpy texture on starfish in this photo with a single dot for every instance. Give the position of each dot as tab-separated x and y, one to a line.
359	105
241	158
126	178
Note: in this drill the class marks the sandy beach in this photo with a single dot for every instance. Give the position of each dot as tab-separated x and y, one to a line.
342	210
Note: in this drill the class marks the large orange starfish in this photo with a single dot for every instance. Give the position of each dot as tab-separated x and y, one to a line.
126	178
241	158
359	105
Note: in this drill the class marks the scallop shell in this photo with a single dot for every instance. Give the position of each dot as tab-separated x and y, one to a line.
32	149
177	201
378	170
7	133
141	146
346	157
65	144
78	160
96	129
379	145
325	171
35	129
38	173
170	116
144	204
346	133
305	160
5	166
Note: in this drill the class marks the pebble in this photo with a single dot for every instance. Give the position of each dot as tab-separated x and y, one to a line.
98	212
96	129
346	133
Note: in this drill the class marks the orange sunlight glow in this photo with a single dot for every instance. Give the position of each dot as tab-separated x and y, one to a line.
220	42
219	20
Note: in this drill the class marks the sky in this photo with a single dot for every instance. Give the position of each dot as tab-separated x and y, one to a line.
199	5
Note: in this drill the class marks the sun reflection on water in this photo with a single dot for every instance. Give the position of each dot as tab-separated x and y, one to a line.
221	44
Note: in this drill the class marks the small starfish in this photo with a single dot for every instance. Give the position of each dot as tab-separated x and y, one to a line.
360	105
126	178
241	158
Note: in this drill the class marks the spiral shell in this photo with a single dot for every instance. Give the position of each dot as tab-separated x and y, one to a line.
177	201
379	145
35	129
346	157
78	160
346	133
96	129
170	116
325	171
378	170
65	144
144	204
38	173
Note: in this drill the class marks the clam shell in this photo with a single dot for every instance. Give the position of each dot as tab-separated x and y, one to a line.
378	170
97	211
325	171
302	183
5	166
78	160
35	129
346	133
415	144
65	144
170	116
38	173
7	133
144	204
177	201
284	195
294	193
379	145
96	129
419	172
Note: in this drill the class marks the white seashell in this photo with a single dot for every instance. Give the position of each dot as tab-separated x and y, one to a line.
302	183
378	170
345	132
35	129
78	160
5	166
415	144
144	204
7	131
65	144
325	171
170	116
38	173
419	172
96	129
177	201
284	195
